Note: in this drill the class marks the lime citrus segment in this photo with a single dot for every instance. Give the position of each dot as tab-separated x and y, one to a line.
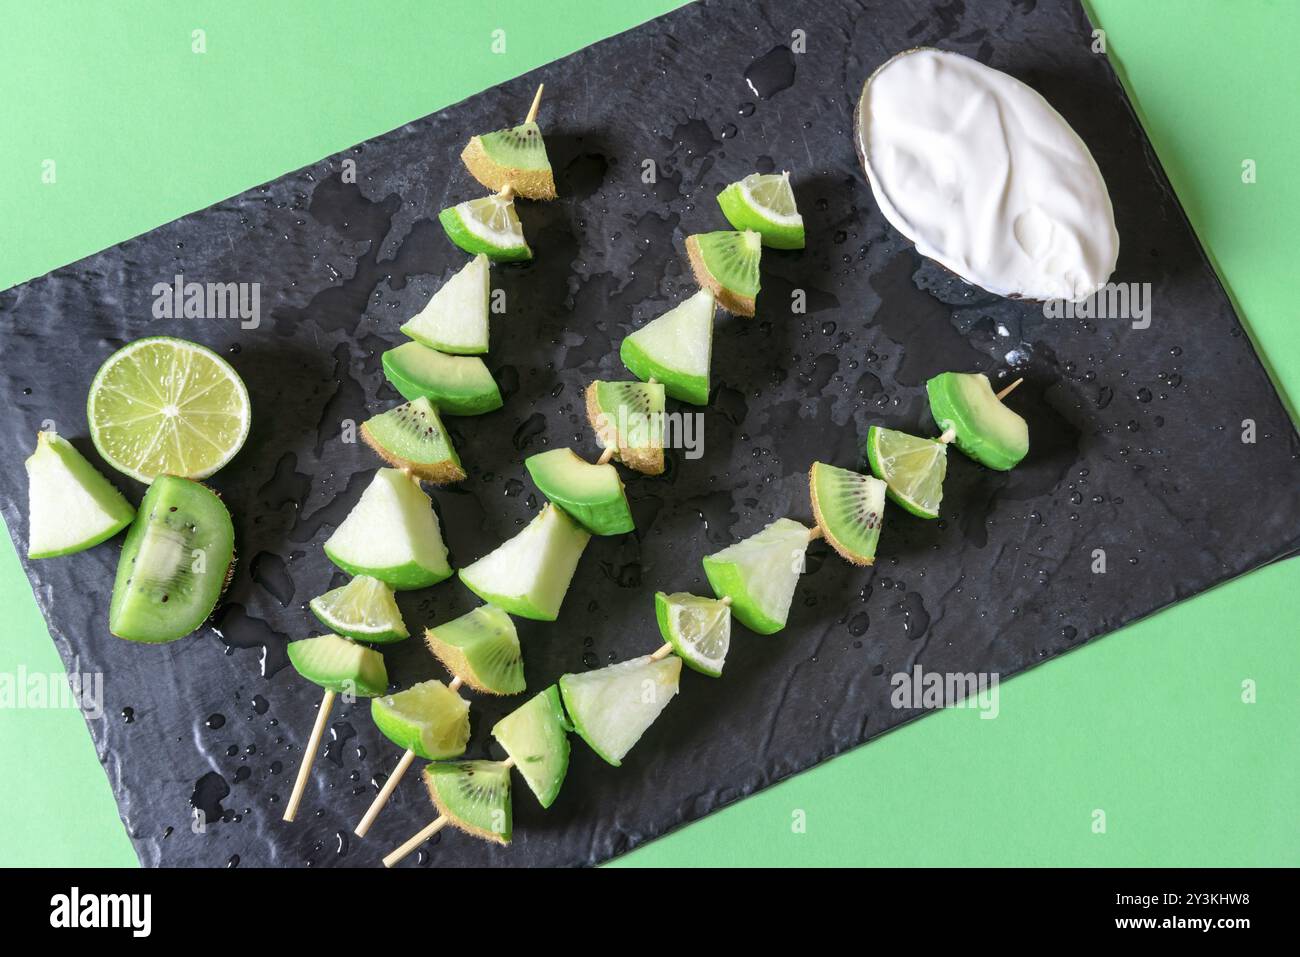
363	609
699	629
488	225
163	406
764	202
913	468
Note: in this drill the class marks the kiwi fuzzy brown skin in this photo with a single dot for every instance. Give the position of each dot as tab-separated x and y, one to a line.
456	820
648	461
735	304
457	664
528	183
843	552
437	473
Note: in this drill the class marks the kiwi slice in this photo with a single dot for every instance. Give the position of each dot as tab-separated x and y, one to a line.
849	507
340	665
481	649
412	437
515	157
474	796
628	418
726	264
175	562
536	735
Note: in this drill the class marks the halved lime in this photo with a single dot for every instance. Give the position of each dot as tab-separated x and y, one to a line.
699	629
913	468
489	225
163	406
364	609
764	202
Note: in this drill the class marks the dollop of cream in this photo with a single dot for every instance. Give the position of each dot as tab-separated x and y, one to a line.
980	172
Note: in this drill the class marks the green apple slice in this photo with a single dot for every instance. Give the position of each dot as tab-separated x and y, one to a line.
474	796
628	417
481	649
457	385
427	718
529	574
675	349
699	629
391	534
70	505
489	227
363	609
984	428
536	735
175	562
340	665
612	707
456	318
759	574
592	494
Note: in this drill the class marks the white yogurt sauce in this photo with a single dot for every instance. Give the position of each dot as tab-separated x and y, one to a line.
980	172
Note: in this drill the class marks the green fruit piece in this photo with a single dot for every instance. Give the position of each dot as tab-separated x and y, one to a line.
628	417
340	665
986	430
726	264
612	707
759	574
675	349
481	649
536	735
849	507
391	534
515	157
488	226
162	406
699	629
412	437
70	506
529	574
175	562
474	796
592	494
764	202
364	609
456	318
912	468
427	718
457	385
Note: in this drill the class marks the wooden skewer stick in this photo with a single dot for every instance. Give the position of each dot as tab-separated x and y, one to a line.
386	792
948	435
426	832
663	652
537	104
309	755
605	456
1009	389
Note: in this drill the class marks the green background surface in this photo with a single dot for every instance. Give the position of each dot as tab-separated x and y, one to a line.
1148	725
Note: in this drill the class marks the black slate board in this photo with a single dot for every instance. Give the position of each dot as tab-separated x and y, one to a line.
1135	432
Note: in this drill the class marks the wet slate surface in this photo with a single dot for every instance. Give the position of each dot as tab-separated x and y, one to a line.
1136	433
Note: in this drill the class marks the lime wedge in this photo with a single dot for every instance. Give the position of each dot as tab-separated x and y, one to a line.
427	718
764	202
163	406
913	468
364	609
489	226
699	629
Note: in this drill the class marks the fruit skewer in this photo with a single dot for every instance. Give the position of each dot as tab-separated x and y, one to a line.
430	829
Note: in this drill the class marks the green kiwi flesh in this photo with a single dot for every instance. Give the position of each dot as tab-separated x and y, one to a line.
412	437
474	795
515	157
175	562
726	264
849	507
481	649
628	418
